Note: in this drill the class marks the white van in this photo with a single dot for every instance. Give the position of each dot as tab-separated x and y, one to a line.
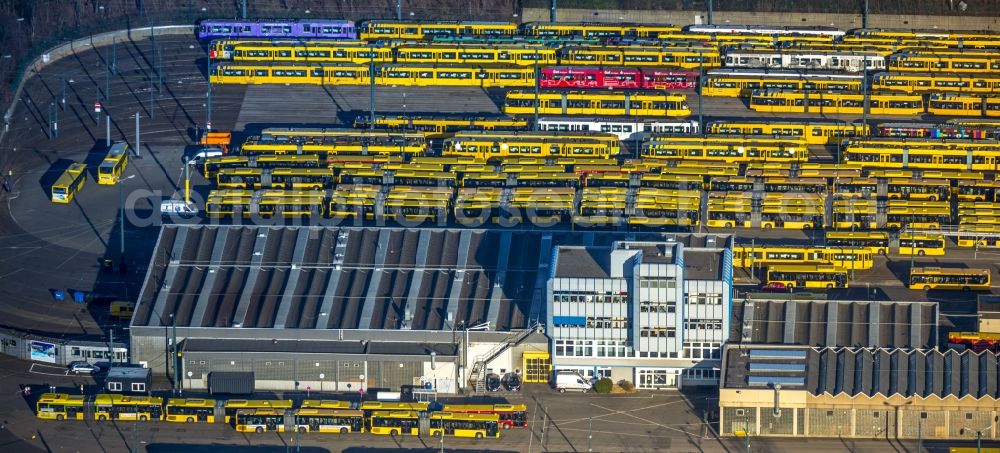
198	157
571	380
177	208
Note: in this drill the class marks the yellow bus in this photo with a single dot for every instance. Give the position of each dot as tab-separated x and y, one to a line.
343	421
441	126
918	214
259	420
875	241
511	415
190	410
464	425
59	406
729	210
597	103
354	201
978	236
120	407
919	189
743	82
832	102
859	258
122	309
393	422
814	133
926	82
806	276
325	404
69	183
961	104
113	165
232	406
921	244
988	191
965	279
863	188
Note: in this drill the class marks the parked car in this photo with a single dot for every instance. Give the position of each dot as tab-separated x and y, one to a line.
81	367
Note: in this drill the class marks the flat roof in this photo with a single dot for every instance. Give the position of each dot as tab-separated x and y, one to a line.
702	264
397	348
583	262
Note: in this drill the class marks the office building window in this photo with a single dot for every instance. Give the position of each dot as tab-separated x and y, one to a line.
697	350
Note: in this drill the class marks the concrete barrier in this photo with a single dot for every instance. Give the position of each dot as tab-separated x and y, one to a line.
841	21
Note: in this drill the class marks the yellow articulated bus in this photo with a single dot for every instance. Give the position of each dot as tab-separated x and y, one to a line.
961	104
214	164
478	426
597	103
968	62
259	420
289	203
718	149
598	29
441	126
59	406
681	57
69	183
965	279
743	82
814	133
393	422
672	181
246	73
504	54
454	75
876	242
343	421
119	407
922	156
484	145
251	73
795	185
232	406
850	257
111	168
806	276
921	244
389	29
356	52
924	83
190	410
831	102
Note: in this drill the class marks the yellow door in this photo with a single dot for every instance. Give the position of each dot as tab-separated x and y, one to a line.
537	366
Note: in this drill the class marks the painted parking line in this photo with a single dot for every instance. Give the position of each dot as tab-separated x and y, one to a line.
48	370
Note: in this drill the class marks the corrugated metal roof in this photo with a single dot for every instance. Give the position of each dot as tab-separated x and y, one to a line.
815	323
871	371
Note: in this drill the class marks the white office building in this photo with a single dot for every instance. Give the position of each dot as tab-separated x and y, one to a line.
653	313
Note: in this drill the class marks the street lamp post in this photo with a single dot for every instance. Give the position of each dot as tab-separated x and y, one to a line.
121	226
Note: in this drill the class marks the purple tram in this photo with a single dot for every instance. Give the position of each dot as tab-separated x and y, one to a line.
276	28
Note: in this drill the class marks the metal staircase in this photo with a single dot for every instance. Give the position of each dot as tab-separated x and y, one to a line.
477	376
